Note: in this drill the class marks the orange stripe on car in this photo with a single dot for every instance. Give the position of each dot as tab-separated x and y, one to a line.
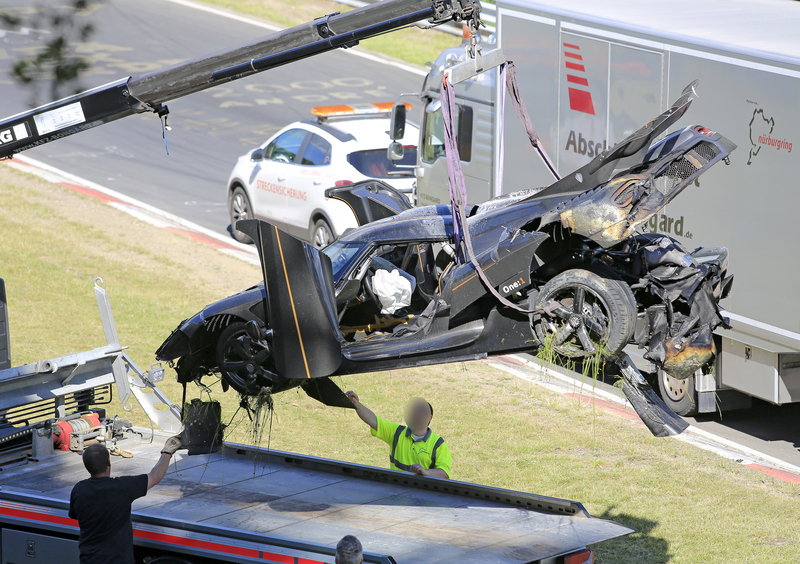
291	300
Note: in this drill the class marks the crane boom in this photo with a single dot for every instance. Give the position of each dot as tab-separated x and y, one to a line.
151	91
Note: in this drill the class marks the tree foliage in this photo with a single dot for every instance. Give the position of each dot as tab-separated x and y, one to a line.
55	67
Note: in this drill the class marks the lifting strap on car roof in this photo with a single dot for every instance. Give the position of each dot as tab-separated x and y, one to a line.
458	191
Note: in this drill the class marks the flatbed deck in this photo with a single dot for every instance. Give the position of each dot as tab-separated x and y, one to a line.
249	504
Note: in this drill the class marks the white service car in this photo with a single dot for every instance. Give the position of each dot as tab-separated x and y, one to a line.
284	180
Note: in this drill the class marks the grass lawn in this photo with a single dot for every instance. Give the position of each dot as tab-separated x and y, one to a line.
412	45
689	505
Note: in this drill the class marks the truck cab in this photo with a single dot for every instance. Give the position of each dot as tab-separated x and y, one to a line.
474	123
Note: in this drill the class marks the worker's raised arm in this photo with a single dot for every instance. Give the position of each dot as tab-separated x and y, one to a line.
158	472
363	411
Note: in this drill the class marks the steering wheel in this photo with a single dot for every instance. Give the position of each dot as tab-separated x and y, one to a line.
368	287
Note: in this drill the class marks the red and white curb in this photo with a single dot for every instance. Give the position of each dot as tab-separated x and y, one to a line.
516	365
138	209
586	392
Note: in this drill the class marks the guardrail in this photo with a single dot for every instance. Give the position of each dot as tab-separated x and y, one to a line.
488	16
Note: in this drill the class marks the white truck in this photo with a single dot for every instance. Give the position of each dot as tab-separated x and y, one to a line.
592	72
242	503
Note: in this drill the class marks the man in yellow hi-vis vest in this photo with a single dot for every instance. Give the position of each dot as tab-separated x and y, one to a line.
415	448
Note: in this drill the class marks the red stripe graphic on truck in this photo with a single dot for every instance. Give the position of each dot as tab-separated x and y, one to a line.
579	100
577	80
165	538
36	516
196	543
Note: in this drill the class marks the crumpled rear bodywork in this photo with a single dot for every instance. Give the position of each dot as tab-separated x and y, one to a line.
679	293
614	211
614	195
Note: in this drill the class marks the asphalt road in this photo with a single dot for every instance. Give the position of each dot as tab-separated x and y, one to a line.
209	129
770	429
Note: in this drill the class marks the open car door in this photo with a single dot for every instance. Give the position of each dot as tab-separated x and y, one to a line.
370	200
300	302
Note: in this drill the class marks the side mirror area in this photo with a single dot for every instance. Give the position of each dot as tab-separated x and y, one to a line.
348	292
257	155
395	151
397	123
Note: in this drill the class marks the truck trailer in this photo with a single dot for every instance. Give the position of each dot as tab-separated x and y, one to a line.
590	73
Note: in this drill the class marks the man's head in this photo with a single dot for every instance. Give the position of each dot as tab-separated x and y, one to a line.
349	551
97	460
418	415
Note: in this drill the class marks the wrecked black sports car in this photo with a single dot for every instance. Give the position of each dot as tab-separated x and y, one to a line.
397	292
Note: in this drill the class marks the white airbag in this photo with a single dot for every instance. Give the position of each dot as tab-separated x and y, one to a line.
392	289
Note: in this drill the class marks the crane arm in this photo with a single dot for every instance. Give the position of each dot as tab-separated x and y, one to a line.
150	92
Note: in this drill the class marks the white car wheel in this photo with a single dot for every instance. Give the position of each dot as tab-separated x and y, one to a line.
240	209
322	235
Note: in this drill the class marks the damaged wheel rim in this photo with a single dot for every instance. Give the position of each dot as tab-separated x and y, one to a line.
243	361
579	326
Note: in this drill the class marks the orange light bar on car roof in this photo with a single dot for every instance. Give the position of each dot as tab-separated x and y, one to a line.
355	109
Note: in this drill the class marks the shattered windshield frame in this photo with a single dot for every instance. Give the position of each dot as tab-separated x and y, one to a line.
343	256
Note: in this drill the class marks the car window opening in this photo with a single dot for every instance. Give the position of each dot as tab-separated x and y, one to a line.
433	138
383	308
284	149
318	152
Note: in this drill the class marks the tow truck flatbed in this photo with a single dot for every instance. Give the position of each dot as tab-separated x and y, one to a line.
247	504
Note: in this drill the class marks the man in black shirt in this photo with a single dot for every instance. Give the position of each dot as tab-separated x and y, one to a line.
102	505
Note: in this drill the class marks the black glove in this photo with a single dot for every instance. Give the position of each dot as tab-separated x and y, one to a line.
172	445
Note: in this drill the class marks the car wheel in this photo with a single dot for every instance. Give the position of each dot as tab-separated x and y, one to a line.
243	362
322	234
677	393
594	315
240	208
604	271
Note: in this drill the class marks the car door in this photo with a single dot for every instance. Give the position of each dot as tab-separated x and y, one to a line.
301	303
272	184
307	188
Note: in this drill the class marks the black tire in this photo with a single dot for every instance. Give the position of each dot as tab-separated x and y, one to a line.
596	312
677	394
605	271
322	234
239	207
246	365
